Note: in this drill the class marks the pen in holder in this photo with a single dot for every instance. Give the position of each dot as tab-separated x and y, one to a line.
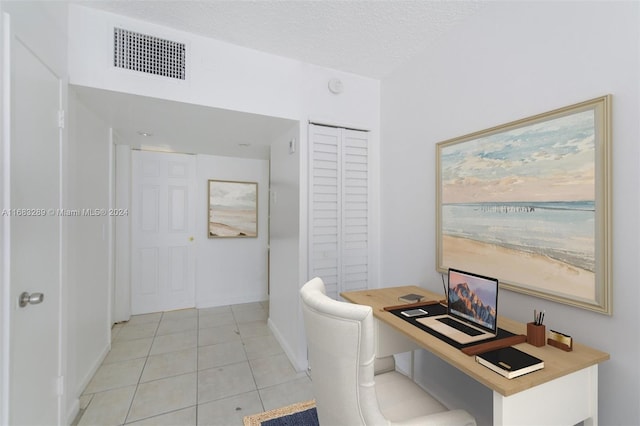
536	334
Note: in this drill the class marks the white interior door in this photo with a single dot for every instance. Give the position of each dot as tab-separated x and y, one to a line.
163	246
33	259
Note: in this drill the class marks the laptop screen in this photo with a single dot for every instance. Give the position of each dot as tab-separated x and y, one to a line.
473	298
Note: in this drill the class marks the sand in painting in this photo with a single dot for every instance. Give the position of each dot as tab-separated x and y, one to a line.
518	267
233	223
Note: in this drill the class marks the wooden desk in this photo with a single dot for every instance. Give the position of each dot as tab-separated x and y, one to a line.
565	391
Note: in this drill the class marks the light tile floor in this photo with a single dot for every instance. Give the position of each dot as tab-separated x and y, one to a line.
192	367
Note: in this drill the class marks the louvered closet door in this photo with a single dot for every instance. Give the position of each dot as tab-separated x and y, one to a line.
355	211
339	208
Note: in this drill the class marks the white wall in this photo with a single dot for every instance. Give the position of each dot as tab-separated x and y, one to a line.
88	286
226	76
510	61
218	74
231	270
285	246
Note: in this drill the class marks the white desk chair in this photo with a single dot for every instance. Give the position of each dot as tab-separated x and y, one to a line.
340	338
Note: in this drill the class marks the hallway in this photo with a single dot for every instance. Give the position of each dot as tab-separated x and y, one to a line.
192	367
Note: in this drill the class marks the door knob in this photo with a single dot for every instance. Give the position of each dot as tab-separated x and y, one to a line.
33	299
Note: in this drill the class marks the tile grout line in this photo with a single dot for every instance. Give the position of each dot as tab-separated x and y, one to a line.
146	359
81	412
244	348
235	315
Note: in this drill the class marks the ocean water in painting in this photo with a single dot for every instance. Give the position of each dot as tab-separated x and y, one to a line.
564	231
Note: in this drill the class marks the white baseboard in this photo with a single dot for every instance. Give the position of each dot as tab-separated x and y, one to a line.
82	384
203	304
76	391
74	409
285	347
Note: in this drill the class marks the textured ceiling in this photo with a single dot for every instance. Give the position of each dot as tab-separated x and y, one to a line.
369	38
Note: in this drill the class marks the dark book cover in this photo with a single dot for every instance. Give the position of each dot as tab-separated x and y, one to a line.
411	298
510	362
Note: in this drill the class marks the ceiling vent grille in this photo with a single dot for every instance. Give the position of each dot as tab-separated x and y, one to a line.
148	54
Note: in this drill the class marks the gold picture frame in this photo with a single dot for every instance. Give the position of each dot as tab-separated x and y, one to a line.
529	202
232	209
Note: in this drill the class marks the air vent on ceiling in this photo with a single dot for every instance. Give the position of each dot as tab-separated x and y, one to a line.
148	54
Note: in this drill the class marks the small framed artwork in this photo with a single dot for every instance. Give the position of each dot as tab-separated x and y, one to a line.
233	209
529	202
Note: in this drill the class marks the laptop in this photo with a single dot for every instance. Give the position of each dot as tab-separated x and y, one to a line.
472	308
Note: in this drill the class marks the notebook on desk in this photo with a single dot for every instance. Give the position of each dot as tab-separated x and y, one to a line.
472	308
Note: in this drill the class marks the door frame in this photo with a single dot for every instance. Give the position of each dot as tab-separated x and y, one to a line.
121	244
5	290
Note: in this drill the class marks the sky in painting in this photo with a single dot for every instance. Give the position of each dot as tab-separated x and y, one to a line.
237	195
553	160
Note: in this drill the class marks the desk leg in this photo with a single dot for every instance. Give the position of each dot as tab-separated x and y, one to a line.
566	400
389	341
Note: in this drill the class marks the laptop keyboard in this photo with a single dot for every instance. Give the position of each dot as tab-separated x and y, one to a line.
459	326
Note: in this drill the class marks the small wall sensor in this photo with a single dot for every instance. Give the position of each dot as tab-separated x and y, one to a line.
292	146
335	86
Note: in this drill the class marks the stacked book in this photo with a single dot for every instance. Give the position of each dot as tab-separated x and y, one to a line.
411	298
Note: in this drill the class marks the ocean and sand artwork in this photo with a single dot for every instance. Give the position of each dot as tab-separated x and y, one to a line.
520	205
232	209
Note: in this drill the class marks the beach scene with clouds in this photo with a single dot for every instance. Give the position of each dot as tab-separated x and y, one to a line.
233	209
520	204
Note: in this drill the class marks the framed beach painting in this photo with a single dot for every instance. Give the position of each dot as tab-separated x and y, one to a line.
529	202
233	209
